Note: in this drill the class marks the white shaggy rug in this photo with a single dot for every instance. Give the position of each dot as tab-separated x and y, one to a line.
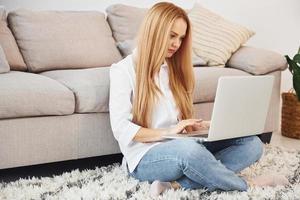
112	183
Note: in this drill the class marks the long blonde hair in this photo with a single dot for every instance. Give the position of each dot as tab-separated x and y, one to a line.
152	46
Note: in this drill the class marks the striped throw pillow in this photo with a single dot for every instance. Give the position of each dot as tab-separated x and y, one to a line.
215	38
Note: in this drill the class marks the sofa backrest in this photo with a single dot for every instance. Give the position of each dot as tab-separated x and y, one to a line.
9	45
125	20
63	39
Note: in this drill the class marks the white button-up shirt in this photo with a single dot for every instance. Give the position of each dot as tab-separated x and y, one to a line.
122	91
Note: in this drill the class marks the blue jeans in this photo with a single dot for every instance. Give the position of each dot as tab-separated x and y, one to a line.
210	165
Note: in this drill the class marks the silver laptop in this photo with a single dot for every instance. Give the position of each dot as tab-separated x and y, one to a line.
240	108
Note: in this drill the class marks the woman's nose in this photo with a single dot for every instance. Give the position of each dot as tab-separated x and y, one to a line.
176	43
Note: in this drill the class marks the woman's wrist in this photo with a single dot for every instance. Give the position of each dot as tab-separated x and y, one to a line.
165	131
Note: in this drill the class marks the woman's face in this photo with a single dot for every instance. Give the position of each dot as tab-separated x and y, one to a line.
177	34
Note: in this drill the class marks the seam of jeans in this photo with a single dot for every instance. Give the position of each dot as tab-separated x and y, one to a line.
158	159
242	140
217	186
170	158
209	182
202	177
219	153
224	150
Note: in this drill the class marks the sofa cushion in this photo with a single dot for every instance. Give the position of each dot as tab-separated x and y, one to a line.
207	81
257	60
9	45
25	94
90	86
215	38
125	20
4	67
63	39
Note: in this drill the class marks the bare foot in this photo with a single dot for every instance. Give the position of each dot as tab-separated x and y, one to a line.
269	180
158	187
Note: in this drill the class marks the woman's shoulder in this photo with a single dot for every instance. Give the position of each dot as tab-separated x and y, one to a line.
124	64
124	69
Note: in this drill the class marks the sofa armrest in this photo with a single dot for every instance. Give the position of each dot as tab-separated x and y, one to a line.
257	61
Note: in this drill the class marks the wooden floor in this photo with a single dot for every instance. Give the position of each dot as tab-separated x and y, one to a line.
279	140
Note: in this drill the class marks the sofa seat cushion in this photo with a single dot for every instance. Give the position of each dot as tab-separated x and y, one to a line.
90	86
25	94
206	81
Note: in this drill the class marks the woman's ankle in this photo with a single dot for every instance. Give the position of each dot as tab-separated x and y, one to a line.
175	185
158	187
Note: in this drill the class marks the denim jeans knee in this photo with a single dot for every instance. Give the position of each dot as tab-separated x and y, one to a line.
256	145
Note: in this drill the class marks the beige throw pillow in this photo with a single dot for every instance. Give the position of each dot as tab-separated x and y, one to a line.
4	67
215	38
9	45
63	39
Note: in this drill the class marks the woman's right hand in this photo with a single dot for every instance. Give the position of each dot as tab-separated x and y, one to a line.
180	127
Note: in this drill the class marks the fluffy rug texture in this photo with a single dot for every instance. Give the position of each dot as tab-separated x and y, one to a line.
112	183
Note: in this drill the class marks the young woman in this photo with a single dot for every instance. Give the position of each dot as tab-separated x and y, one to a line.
151	95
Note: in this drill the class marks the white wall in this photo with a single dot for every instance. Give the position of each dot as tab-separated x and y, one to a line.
82	4
276	22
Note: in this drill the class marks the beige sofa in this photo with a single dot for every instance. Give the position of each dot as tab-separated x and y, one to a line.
54	99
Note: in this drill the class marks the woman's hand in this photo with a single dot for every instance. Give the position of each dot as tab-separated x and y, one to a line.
183	125
155	135
204	125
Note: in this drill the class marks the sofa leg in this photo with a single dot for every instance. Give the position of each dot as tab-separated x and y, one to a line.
265	137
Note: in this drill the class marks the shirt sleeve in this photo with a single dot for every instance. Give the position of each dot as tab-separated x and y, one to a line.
120	106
